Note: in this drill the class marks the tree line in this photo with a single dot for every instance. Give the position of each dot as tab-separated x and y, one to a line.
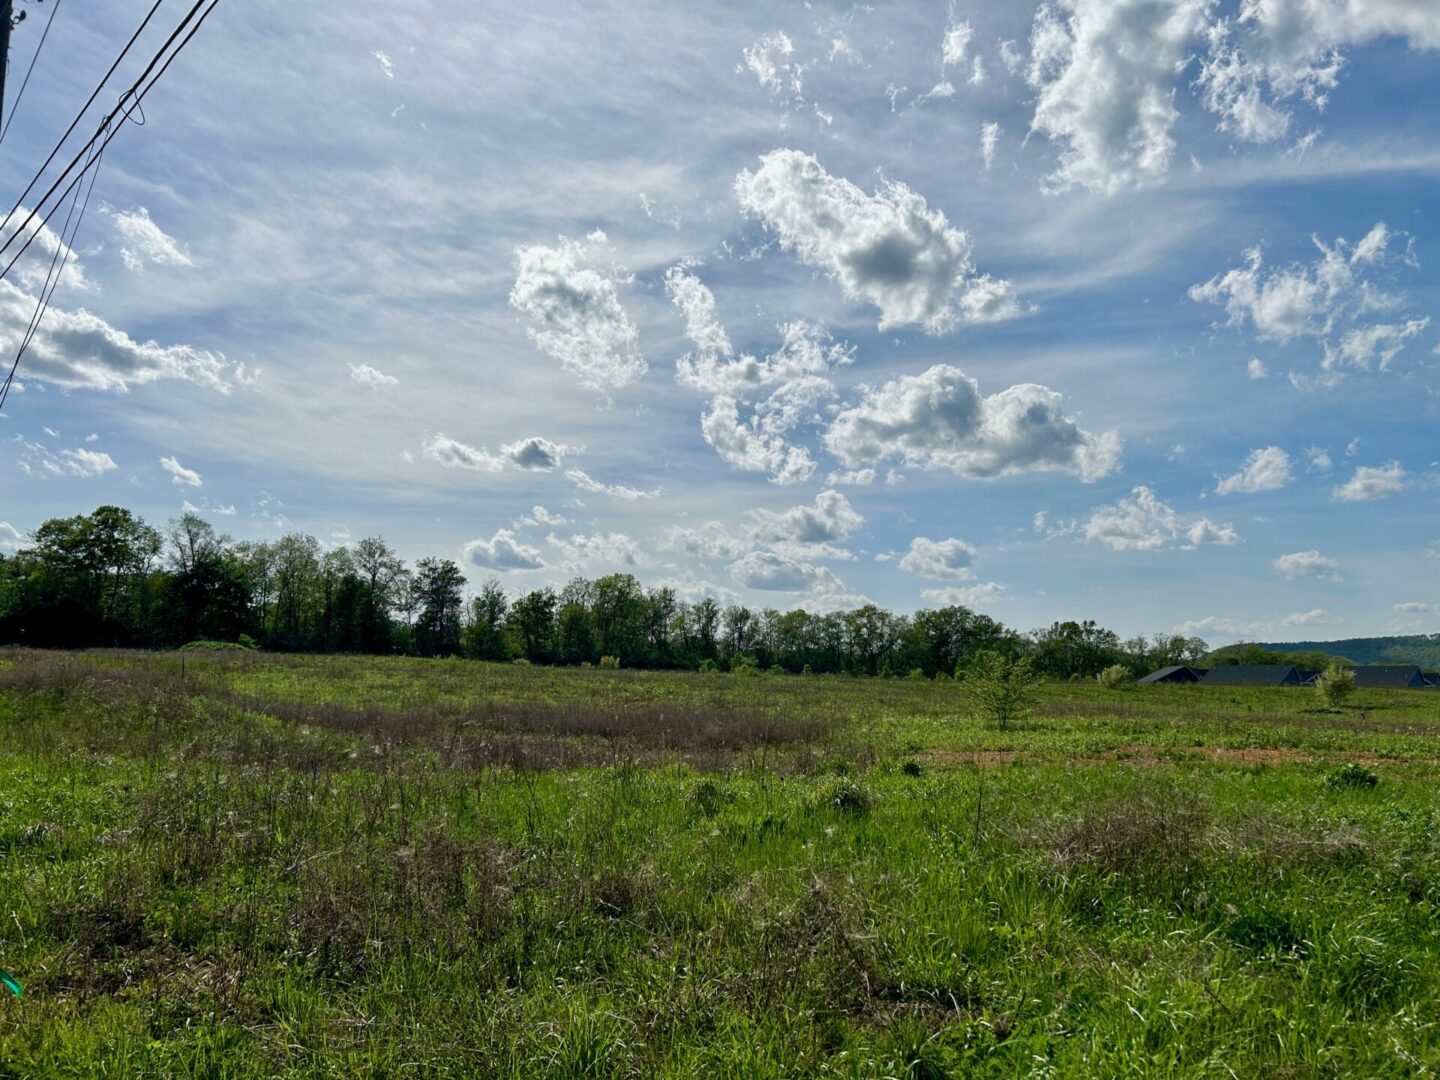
109	579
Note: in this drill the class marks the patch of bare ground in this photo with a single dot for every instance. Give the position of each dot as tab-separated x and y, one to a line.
1156	756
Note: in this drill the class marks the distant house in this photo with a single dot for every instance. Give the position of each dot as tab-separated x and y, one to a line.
1389	677
1252	675
1307	678
1175	673
1432	679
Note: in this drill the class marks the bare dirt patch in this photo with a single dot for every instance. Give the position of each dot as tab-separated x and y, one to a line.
1156	756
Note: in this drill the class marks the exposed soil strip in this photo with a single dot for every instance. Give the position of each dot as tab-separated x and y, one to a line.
1155	756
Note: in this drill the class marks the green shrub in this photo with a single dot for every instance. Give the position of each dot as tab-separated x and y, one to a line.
1351	775
1002	688
610	663
1114	677
1334	685
912	768
846	796
520	662
707	667
916	673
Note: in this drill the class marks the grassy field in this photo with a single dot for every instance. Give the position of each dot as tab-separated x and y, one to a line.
257	865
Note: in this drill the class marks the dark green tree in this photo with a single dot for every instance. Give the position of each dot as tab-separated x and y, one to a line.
439	605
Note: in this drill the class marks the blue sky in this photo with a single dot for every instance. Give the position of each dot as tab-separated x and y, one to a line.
1119	309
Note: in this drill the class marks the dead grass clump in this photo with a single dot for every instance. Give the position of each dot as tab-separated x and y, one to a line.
32	672
1151	835
551	735
712	726
434	897
1277	845
104	930
813	946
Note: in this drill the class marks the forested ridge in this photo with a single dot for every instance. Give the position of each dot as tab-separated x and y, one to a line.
1423	650
109	579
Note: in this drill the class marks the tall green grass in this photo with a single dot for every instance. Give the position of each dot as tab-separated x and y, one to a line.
345	867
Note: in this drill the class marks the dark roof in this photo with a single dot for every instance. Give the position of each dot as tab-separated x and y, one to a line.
1177	673
1307	676
1401	676
1253	675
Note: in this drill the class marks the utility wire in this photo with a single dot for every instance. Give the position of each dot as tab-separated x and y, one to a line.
15	105
81	114
114	129
103	125
109	129
64	247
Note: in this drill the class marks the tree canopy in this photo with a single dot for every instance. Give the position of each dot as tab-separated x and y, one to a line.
109	579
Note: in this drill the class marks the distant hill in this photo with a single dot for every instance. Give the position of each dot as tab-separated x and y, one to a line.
1423	650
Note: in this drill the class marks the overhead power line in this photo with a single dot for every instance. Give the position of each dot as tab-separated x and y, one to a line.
83	110
104	124
65	245
90	154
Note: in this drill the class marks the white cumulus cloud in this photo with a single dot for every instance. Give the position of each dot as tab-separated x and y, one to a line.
755	405
940	420
1206	531
1308	564
11	538
941	560
1371	482
143	242
576	302
179	474
1264	470
540	516
1104	73
584	552
503	551
1314	617
769	572
889	249
534	453
1276	51
78	350
372	377
1332	300
1143	522
979	595
830	519
34	459
454	454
